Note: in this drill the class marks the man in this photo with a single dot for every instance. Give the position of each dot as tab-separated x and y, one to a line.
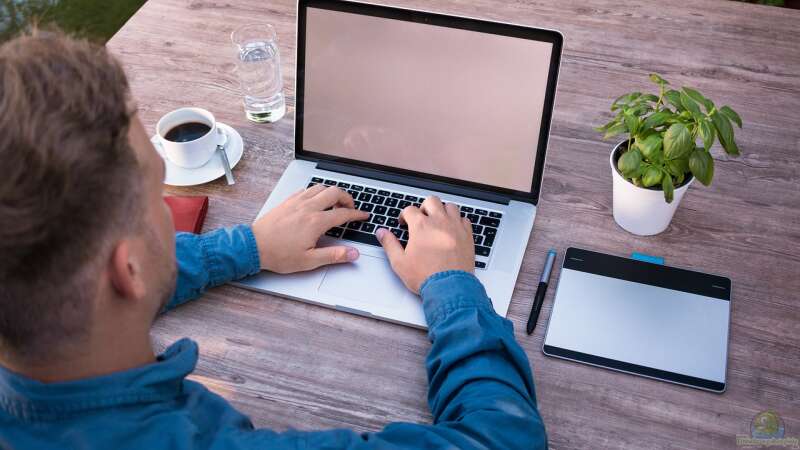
88	260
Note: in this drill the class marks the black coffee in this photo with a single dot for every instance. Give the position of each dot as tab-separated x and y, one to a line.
186	132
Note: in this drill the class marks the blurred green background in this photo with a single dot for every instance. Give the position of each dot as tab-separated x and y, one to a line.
95	19
100	19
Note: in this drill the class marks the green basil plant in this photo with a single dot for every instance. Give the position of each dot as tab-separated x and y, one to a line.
663	132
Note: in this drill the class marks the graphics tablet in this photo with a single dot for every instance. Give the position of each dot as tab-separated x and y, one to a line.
647	319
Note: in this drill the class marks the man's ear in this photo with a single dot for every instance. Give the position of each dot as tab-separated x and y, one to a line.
126	273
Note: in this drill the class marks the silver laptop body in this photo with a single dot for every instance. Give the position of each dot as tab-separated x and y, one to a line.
394	105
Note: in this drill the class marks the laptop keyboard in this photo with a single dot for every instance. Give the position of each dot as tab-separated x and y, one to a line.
384	207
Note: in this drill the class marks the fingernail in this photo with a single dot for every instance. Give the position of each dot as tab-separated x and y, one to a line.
380	233
352	254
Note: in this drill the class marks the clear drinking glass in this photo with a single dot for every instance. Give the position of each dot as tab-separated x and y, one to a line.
259	68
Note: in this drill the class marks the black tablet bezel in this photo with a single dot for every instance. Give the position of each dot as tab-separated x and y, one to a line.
646	273
505	29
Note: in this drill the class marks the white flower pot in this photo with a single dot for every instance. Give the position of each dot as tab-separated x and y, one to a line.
641	210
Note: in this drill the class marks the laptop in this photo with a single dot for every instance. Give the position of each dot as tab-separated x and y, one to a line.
394	105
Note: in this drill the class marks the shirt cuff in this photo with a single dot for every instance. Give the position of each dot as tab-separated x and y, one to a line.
452	290
230	254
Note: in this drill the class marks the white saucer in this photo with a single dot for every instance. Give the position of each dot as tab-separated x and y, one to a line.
179	176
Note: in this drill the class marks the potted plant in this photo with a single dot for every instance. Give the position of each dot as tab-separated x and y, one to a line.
660	158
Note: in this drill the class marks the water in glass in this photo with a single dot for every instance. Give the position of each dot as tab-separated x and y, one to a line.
259	69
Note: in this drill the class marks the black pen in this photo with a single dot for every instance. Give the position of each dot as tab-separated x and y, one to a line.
540	291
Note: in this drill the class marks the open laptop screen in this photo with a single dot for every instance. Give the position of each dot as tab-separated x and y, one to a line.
452	102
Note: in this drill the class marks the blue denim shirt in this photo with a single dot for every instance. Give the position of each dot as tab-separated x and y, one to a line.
480	393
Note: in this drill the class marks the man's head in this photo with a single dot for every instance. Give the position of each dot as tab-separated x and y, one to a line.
86	240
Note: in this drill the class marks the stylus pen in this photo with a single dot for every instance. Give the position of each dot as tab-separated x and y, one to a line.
540	291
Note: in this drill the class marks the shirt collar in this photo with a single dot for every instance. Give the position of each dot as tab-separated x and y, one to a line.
162	380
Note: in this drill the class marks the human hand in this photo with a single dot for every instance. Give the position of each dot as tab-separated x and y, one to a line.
439	239
287	235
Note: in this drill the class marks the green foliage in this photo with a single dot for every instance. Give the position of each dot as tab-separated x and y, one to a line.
766	2
94	19
663	132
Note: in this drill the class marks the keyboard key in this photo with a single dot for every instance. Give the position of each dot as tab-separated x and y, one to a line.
354	225
393	212
405	236
398	233
477	238
343	185
476	229
397	195
364	197
370	190
390	202
392	222
482	251
316	180
353	194
330	182
403	243
380	220
417	204
466	209
377	199
403	226
496	215
364	238
474	218
488	240
384	193
463	214
403	204
490	222
412	198
489	231
356	187
366	207
311	184
368	227
335	232
481	212
356	204
380	209
480	265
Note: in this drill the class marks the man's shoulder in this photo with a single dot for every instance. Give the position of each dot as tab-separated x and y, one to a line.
196	418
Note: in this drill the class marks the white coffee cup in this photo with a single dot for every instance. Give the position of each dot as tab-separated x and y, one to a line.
194	153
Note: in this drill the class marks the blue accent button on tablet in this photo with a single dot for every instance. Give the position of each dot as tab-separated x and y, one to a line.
648	258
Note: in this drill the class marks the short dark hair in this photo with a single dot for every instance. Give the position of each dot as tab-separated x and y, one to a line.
70	180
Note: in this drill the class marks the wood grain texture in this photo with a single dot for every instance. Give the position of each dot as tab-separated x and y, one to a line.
288	364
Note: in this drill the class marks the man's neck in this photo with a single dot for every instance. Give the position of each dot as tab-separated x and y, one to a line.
111	355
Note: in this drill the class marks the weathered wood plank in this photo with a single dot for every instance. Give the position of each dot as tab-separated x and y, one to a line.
289	364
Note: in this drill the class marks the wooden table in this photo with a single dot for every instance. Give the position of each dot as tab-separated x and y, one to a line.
289	364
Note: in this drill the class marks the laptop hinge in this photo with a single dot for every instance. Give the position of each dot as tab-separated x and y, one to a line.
413	181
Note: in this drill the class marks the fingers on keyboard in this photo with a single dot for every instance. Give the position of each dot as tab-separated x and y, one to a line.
386	210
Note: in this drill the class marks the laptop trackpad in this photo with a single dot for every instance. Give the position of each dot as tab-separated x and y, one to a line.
369	280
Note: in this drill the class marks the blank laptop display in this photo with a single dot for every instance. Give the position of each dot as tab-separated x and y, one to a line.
457	103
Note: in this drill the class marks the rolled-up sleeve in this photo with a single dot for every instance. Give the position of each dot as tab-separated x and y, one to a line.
211	259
